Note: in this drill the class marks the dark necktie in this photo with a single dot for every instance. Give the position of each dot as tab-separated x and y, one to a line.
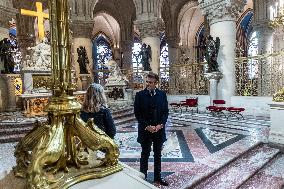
152	92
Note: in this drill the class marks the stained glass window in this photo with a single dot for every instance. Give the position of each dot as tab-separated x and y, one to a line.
253	51
102	54
244	29
18	86
164	63
136	63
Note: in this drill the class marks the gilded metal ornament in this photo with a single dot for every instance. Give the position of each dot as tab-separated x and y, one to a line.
50	156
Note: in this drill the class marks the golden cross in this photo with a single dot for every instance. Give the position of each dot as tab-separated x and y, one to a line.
40	18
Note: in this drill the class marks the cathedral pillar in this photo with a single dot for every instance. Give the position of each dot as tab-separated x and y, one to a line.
173	45
126	50
25	26
82	33
265	45
150	35
10	79
222	16
264	35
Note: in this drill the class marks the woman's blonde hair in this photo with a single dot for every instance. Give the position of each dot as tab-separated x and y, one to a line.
94	99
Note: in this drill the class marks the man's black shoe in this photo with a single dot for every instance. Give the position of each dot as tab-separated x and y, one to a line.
161	181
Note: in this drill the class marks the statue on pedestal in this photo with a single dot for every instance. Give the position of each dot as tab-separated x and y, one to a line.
211	53
146	55
6	55
82	60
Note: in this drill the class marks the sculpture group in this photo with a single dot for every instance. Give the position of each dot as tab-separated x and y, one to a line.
146	56
211	53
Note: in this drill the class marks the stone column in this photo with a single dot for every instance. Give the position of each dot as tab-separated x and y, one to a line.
126	49
222	16
27	78
150	34
265	44
9	79
85	81
276	134
25	26
174	54
214	79
82	33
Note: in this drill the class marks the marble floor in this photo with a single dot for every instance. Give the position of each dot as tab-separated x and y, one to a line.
199	145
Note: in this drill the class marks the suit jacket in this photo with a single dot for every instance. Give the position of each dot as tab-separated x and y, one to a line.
151	110
102	119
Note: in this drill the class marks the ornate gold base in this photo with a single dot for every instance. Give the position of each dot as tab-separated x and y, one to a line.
78	175
64	152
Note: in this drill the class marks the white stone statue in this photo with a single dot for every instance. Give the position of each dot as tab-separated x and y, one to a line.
115	72
40	57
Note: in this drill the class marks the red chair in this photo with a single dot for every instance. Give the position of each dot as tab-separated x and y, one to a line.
217	108
190	104
175	106
236	112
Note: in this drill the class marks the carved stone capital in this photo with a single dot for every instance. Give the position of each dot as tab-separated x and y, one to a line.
220	10
150	28
81	29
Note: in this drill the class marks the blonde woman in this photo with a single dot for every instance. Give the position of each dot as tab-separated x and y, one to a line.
95	106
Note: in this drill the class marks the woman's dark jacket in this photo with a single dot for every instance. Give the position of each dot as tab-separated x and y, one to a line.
102	119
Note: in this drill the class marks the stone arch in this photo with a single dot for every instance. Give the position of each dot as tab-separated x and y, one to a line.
108	25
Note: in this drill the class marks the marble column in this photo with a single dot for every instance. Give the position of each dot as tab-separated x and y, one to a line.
276	134
82	32
9	79
265	45
27	78
214	78
222	16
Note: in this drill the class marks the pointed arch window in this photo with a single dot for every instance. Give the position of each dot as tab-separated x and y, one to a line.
199	44
102	53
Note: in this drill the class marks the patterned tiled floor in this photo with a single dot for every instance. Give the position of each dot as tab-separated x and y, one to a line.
197	145
202	141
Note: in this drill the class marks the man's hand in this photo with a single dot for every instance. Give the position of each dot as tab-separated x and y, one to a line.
158	127
151	128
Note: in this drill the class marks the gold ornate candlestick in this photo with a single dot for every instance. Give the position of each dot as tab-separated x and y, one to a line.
48	150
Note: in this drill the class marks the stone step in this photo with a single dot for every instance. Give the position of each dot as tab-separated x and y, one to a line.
124	120
17	130
4	126
240	170
121	111
11	138
123	115
270	176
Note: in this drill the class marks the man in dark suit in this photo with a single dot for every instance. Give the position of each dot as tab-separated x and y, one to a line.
151	111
